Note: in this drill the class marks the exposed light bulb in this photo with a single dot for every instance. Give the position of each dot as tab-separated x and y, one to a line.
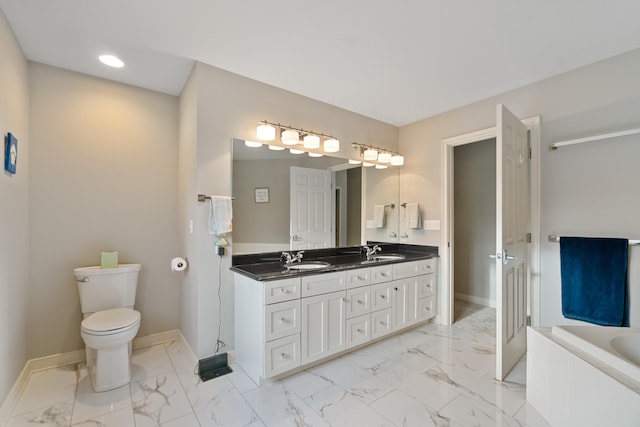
381	166
354	162
276	148
315	155
253	144
367	164
111	61
294	151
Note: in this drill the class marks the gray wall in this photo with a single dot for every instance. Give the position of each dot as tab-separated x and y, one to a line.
475	221
14	211
103	177
597	98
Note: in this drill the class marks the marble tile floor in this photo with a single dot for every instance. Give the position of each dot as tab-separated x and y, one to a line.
431	375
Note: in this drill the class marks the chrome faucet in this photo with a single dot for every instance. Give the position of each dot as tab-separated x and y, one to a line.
370	251
288	257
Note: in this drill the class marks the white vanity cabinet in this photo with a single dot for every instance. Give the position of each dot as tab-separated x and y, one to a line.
285	324
413	294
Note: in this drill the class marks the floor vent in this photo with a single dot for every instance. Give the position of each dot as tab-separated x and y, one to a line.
213	367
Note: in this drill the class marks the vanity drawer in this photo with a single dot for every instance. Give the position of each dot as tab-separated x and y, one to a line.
425	308
358	301
359	277
281	290
426	285
281	319
281	355
358	330
323	283
381	273
381	296
413	268
381	323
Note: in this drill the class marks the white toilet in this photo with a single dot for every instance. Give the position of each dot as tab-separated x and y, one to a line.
107	296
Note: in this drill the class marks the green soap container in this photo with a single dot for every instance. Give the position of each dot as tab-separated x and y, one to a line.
109	259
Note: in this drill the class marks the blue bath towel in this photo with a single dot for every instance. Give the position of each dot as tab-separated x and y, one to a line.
594	280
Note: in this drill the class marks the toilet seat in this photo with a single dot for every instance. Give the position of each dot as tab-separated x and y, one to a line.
110	322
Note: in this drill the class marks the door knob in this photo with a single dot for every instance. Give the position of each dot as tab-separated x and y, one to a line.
503	256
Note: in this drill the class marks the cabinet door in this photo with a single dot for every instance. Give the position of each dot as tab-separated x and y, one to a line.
358	301
404	302
281	319
323	325
281	355
358	330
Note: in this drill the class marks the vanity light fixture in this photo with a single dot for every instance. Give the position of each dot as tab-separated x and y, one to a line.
266	132
331	145
290	137
111	61
311	141
380	156
384	157
397	160
252	144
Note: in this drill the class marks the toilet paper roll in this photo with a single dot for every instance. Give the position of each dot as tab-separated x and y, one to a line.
178	264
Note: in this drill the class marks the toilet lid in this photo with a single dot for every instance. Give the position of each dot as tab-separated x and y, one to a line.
109	320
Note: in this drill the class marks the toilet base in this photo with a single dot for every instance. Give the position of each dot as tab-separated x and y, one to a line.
109	368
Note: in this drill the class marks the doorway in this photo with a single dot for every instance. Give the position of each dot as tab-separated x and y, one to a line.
474	193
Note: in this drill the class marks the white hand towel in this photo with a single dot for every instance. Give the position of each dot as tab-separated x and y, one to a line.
413	215
220	215
378	215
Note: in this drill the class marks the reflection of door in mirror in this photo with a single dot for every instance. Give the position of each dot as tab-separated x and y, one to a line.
312	215
265	227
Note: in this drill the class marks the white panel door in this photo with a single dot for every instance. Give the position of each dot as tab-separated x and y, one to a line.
512	210
311	209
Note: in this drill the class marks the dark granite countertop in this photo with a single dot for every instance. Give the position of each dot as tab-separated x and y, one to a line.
267	266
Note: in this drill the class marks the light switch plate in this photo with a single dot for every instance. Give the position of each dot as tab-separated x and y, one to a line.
432	224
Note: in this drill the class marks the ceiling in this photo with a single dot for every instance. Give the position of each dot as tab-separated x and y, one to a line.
395	61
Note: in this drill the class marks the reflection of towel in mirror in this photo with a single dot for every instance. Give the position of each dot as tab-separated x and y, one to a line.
378	215
413	215
220	215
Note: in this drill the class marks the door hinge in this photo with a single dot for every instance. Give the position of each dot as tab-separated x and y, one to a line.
529	153
528	237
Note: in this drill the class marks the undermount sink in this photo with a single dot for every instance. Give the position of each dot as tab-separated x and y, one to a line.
307	265
389	257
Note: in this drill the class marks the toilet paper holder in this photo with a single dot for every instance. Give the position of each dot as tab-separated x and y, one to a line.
179	264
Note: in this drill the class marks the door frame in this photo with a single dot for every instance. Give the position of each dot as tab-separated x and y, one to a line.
446	235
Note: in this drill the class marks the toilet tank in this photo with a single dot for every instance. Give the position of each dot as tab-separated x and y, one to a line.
107	288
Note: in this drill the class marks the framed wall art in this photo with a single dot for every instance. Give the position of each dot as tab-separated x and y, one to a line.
261	195
10	153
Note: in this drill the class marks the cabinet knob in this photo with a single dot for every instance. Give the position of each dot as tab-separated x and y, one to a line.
360	301
361	277
382	322
359	331
383	296
395	288
284	355
384	274
284	320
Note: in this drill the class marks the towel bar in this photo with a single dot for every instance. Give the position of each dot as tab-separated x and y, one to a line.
556	239
203	197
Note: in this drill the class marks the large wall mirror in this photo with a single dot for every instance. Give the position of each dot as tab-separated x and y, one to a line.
263	219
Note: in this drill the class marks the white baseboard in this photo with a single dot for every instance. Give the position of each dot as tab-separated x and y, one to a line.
476	300
77	356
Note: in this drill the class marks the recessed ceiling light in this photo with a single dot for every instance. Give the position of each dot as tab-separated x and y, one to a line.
111	61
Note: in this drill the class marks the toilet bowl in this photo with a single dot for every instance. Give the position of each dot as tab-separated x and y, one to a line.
107	336
107	297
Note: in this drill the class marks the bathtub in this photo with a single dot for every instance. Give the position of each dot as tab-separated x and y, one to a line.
615	347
